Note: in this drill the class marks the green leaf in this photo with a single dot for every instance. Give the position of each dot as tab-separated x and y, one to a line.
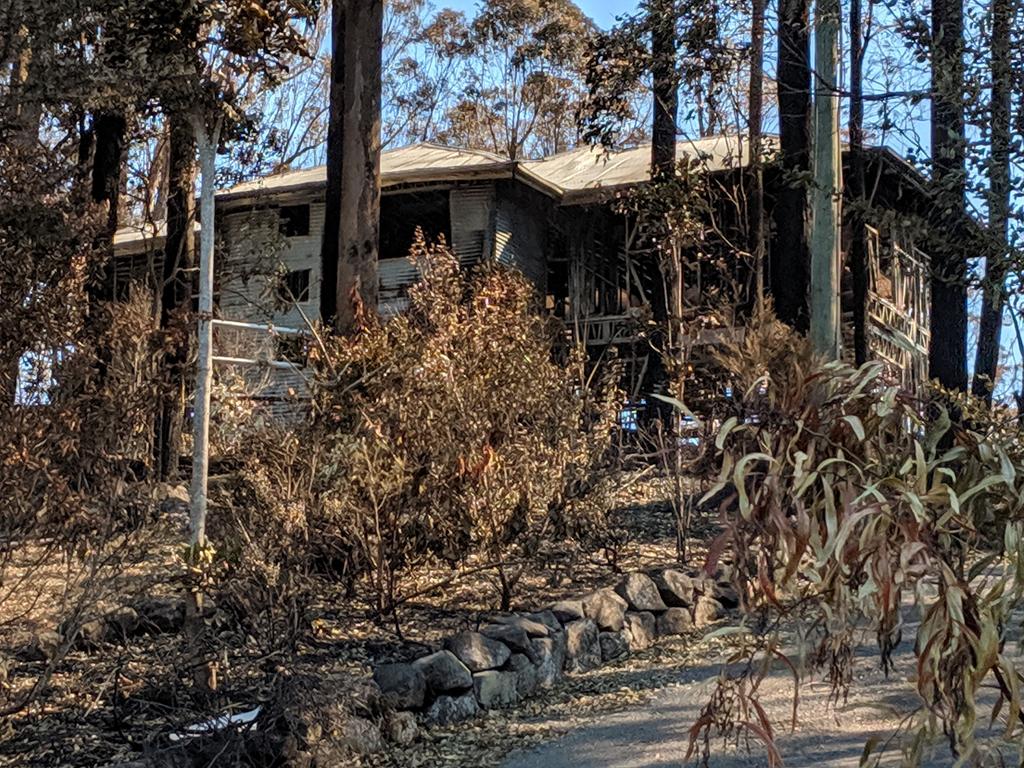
856	425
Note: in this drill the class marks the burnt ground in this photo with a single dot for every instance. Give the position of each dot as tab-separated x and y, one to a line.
104	704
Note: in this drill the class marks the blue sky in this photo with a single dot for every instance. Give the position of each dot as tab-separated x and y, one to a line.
601	11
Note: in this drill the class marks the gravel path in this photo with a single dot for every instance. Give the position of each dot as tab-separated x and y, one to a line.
655	734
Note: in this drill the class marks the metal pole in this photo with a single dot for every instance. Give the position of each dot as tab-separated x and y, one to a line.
825	193
206	141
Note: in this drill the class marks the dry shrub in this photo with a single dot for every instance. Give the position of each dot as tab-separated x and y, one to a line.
844	505
448	433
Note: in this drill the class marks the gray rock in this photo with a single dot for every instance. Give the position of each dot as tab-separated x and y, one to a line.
707	611
551	658
640	591
641	629
444	673
674	621
675	587
567	610
401	728
122	622
361	736
529	625
726	594
527	675
478	652
495	688
161	614
606	608
44	646
582	646
613	645
514	637
548	619
402	686
453	709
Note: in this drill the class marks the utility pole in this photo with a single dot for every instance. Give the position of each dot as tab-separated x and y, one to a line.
827	184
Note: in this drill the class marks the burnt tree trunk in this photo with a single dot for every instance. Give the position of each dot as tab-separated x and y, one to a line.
335	169
666	88
756	234
108	165
856	186
359	219
176	292
948	356
986	359
791	255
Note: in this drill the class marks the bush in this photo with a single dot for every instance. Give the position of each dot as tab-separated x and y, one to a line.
446	433
844	502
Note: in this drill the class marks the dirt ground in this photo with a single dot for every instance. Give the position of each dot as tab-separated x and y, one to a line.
103	705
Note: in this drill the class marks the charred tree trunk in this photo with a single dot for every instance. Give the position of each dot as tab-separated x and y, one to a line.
335	170
948	357
666	88
791	255
856	186
176	292
108	165
359	220
986	359
756	234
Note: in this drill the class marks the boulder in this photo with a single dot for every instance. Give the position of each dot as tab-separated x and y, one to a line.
444	673
161	614
121	621
675	587
44	646
527	624
401	728
567	610
495	688
453	709
549	620
674	621
606	608
707	611
402	686
550	653
360	736
640	591
478	652
582	646
726	594
514	637
613	645
90	634
641	629
527	675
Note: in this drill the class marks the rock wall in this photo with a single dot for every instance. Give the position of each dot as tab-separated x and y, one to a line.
513	656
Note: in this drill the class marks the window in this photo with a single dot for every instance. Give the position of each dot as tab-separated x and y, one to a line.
294	287
401	213
293	220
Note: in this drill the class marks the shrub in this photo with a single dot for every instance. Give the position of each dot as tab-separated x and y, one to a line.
843	503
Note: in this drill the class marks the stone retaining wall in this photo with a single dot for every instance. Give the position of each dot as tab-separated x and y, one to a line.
513	656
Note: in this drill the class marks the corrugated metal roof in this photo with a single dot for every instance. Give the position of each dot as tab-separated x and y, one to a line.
583	171
419	162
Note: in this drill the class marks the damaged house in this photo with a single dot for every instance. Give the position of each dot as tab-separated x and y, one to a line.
560	220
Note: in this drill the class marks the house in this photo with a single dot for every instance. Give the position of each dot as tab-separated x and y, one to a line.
556	220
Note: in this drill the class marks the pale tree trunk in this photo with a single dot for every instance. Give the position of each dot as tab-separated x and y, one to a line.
176	291
856	186
986	359
827	184
790	256
359	220
335	168
755	105
207	139
948	354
